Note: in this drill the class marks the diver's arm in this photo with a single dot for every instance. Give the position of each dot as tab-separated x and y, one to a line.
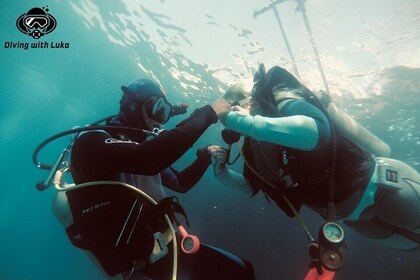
297	132
234	181
228	178
183	181
152	156
303	126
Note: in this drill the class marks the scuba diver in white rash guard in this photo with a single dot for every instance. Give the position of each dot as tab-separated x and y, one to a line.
126	236
290	150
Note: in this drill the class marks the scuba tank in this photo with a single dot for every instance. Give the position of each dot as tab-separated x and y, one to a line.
351	129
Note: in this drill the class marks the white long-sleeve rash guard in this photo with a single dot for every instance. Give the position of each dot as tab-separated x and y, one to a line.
303	127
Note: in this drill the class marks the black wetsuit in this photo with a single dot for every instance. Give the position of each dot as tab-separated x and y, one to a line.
117	156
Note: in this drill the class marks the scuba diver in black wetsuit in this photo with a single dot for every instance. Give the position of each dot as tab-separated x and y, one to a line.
300	149
126	236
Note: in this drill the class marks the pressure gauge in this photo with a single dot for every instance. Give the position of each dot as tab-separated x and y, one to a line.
333	232
331	246
189	243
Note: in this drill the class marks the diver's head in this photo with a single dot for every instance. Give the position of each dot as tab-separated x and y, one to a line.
271	88
144	104
281	94
239	93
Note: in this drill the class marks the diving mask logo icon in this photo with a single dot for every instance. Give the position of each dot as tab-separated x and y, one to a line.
36	22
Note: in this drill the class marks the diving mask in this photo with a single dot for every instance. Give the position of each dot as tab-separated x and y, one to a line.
160	107
161	110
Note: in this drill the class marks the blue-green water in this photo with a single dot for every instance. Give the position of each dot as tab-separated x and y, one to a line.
195	49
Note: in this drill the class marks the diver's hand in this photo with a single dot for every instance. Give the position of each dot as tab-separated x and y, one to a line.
179	109
240	110
218	157
204	155
222	108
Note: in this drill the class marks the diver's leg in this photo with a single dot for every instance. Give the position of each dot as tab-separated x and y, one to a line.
394	218
211	263
208	263
398	198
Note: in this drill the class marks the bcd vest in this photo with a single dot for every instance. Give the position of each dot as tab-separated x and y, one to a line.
115	224
301	176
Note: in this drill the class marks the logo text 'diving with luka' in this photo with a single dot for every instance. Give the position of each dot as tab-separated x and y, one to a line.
36	45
